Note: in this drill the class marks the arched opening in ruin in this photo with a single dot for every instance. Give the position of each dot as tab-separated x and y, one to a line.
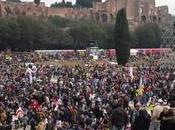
97	17
111	16
17	11
159	20
104	18
8	10
154	19
24	13
143	18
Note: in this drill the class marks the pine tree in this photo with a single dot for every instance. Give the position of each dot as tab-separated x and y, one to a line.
121	37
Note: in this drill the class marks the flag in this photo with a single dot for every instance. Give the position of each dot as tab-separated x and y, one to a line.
140	91
141	81
131	72
35	105
19	113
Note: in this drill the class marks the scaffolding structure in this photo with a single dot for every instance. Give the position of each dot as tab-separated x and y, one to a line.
168	33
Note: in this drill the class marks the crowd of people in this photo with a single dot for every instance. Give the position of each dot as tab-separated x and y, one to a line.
85	97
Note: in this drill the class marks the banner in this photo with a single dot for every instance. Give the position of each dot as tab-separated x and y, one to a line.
19	113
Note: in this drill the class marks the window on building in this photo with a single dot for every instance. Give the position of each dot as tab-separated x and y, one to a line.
143	18
159	20
154	19
104	18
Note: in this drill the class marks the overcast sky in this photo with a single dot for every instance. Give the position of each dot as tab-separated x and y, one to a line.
170	3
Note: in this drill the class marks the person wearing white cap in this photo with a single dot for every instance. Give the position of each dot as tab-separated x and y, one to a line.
29	73
155	124
34	70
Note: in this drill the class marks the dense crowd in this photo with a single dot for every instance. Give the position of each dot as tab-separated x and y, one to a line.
88	97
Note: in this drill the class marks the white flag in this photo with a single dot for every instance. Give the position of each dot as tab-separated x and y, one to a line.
20	113
131	72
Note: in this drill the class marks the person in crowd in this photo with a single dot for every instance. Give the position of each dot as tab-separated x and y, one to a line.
67	96
155	115
3	116
119	117
134	113
142	120
168	119
162	116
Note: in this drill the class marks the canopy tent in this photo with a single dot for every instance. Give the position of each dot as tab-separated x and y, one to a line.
133	52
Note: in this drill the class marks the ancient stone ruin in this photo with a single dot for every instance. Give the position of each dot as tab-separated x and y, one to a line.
138	11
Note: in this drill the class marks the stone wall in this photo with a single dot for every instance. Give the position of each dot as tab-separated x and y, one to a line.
163	14
27	9
138	11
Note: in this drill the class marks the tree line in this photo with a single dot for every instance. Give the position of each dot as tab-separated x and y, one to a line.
30	33
63	3
78	3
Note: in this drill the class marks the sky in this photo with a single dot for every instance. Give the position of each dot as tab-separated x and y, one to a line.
170	3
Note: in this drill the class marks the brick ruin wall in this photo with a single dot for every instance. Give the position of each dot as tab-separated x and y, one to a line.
138	11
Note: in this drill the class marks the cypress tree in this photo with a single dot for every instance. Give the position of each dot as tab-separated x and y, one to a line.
121	37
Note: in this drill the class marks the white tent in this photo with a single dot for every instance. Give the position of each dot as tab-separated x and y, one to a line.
133	52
